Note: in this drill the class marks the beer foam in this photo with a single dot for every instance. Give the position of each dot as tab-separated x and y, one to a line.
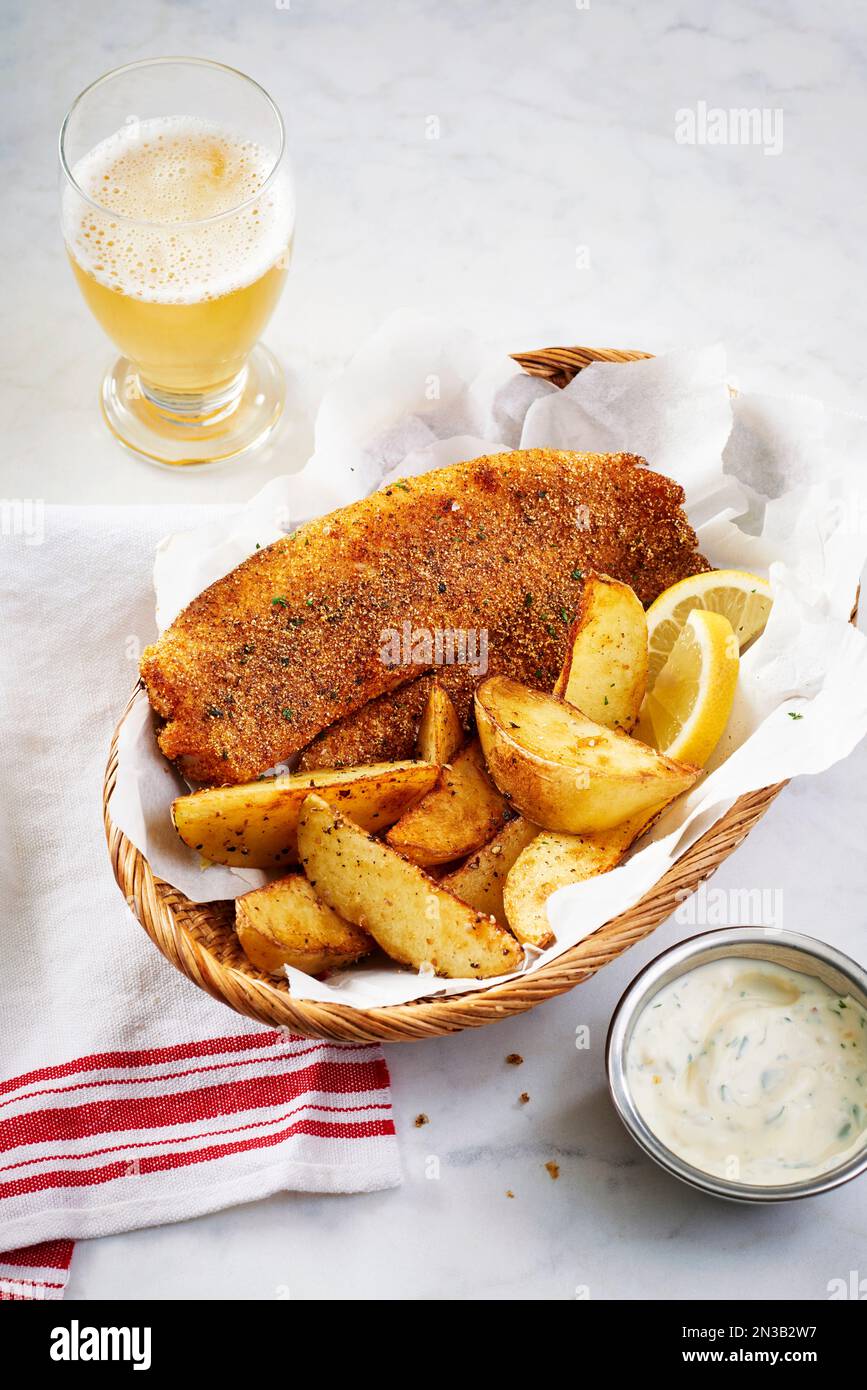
156	184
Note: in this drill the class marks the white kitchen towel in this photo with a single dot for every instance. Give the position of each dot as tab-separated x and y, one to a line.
128	1097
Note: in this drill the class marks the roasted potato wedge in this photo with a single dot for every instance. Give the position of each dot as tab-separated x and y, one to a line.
461	813
480	881
605	672
551	861
561	770
285	923
254	825
439	734
413	919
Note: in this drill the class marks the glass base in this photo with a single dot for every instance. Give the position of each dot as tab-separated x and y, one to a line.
189	431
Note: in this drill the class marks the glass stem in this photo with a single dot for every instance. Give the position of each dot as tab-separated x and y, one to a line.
196	407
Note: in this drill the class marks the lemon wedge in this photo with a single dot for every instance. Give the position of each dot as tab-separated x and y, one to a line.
688	708
743	598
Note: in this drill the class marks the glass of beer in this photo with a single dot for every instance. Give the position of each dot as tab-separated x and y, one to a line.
178	217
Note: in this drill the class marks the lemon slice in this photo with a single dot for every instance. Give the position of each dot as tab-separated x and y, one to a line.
742	598
689	706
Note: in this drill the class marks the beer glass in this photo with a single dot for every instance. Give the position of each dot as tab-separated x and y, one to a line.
178	217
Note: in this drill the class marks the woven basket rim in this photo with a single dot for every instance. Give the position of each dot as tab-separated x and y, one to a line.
156	904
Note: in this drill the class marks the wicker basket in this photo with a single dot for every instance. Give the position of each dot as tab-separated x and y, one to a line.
199	939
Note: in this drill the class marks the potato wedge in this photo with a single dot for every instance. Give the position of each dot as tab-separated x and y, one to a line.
561	770
480	881
605	672
553	860
411	917
285	923
460	815
255	824
439	734
608	657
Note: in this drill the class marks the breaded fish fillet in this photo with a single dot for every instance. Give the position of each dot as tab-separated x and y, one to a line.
388	722
485	557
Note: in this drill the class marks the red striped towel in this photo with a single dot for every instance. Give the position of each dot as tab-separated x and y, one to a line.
127	1096
105	1143
38	1271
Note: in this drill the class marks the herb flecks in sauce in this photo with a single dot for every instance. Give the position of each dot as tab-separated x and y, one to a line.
751	1071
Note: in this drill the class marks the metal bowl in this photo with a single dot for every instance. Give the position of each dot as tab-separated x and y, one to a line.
802	953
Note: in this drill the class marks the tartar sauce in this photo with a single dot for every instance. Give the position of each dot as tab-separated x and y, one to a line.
752	1072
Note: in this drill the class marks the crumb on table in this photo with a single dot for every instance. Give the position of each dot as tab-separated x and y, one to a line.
553	1169
421	1119
515	1059
524	1097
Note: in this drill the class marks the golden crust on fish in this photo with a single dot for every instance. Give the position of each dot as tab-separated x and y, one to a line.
388	722
302	634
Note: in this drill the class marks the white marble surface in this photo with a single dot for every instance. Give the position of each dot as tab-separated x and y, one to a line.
556	134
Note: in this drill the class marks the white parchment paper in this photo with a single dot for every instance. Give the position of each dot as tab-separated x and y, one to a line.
773	485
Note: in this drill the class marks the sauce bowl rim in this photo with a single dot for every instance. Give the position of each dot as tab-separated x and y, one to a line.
678	960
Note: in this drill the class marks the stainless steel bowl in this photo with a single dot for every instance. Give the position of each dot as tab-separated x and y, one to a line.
802	953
